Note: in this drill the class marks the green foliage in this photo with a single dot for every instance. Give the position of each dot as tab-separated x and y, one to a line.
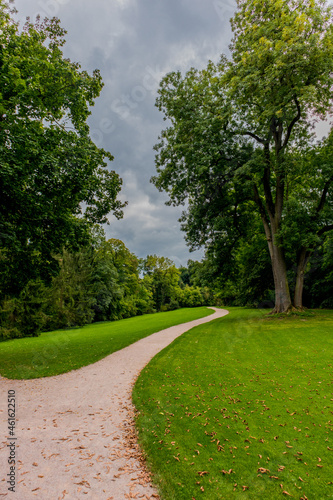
161	278
240	144
116	279
71	295
318	285
58	352
281	51
240	406
241	274
98	283
24	316
166	286
49	167
191	297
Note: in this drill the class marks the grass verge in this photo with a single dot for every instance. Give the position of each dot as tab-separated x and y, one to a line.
61	351
241	407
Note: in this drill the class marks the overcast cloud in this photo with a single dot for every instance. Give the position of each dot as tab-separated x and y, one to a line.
134	43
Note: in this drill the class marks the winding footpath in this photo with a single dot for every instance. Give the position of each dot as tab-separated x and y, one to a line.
75	432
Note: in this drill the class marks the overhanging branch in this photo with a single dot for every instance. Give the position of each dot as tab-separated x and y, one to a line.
264	218
254	136
325	229
323	196
293	122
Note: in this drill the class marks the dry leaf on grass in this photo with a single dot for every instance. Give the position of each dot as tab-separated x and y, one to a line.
262	470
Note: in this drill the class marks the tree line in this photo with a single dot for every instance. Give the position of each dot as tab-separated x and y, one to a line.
239	151
102	283
241	275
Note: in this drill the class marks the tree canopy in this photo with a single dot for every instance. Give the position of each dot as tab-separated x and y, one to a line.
240	144
55	183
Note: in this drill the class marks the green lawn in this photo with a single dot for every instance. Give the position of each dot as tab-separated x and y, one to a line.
63	350
242	407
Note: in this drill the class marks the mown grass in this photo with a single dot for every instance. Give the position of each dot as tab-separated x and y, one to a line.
241	407
63	350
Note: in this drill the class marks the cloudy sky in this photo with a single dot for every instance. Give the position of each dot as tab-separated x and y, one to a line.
135	43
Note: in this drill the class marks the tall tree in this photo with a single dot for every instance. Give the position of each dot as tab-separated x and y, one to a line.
54	181
161	277
237	127
71	296
123	291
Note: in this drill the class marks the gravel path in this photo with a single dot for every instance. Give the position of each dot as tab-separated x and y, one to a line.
75	434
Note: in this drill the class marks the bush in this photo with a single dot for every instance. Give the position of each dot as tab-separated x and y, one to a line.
191	297
24	316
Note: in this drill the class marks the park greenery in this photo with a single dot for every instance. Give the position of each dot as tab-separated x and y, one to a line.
240	147
55	183
61	351
241	407
98	284
237	408
239	150
56	190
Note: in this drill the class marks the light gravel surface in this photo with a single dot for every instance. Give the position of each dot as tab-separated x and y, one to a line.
75	433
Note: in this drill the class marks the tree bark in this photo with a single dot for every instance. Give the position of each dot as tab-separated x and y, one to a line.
303	259
271	210
282	293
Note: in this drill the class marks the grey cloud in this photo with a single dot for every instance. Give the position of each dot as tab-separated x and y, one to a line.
135	43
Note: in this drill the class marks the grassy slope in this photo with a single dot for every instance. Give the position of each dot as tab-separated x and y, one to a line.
63	350
237	395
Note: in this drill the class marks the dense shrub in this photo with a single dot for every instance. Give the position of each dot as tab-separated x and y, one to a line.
102	284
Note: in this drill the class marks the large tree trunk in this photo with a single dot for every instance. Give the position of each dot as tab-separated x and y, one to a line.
303	259
282	293
271	225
